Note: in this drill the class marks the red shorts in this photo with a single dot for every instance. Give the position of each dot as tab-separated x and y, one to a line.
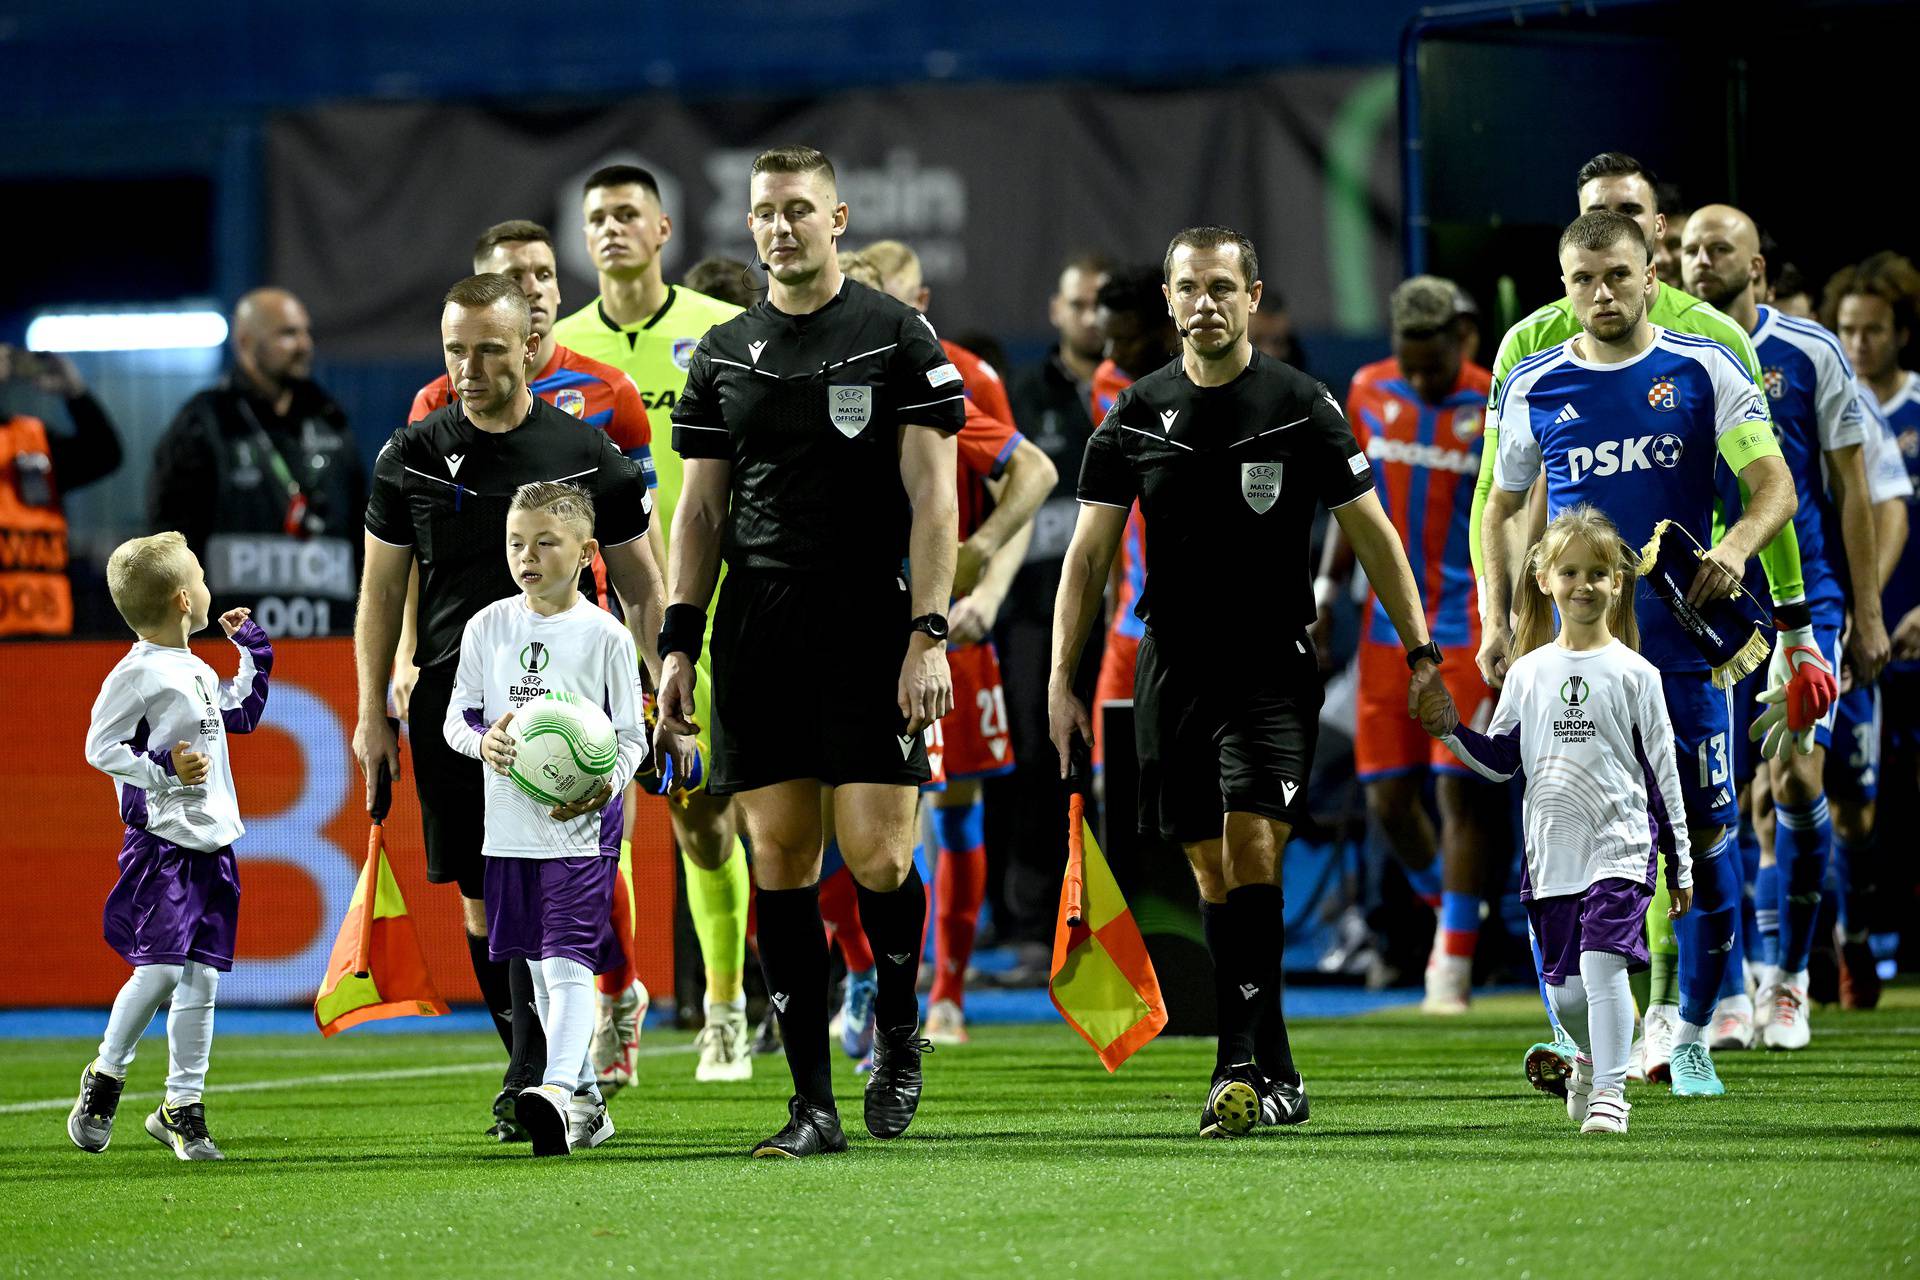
1386	739
1115	683
936	741
977	744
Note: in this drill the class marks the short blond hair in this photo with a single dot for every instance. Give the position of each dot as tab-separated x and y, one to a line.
890	258
858	264
143	575
568	503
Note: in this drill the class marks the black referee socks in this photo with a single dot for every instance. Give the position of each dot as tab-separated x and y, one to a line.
1246	935
495	991
527	1055
895	924
793	959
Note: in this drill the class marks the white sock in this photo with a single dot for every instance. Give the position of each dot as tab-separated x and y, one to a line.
568	1018
736	1006
190	1033
539	995
1798	981
1570	1006
1609	1016
133	1009
1685	1032
1737	1006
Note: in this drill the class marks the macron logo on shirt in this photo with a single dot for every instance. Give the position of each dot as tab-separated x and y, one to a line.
755	348
1167	418
1567	414
453	464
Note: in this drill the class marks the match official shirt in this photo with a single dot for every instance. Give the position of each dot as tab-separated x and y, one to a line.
1590	731
511	655
157	697
441	486
596	393
1227	478
656	354
1638	440
808	409
1424	459
1816	410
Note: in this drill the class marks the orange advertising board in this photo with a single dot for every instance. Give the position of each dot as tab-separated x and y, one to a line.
304	807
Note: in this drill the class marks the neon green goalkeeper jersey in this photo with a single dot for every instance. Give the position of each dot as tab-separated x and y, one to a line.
655	353
1669	308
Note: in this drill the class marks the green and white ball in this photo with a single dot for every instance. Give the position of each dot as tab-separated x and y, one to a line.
564	747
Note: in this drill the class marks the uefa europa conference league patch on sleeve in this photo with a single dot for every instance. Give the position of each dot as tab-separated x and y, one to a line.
942	375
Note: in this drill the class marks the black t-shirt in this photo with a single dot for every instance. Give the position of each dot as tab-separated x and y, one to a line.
442	486
808	410
1227	479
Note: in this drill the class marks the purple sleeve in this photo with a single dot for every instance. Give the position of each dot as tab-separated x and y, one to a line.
1496	758
1659	821
244	699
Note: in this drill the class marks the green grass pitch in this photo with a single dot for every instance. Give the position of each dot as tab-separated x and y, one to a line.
1426	1155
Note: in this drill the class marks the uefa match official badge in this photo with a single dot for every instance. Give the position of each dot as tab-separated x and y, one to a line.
850	408
1260	485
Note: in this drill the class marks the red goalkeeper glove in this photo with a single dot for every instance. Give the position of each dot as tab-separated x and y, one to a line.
1801	689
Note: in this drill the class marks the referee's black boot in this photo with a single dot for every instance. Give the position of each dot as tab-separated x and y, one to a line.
810	1131
893	1090
1233	1102
1280	1102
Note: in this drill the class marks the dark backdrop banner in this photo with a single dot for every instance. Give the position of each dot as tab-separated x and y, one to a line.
374	208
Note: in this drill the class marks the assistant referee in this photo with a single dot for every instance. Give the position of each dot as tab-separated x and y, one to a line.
441	488
816	431
1228	451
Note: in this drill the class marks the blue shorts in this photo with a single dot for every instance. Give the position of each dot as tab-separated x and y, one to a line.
1826	638
1702	746
1853	758
1746	705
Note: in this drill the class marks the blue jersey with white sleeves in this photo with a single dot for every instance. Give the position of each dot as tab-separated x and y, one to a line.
1816	411
1638	439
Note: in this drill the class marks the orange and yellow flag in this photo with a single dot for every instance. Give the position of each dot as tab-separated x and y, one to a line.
376	969
1103	981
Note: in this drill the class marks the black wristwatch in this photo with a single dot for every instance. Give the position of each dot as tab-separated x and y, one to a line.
932	624
1429	650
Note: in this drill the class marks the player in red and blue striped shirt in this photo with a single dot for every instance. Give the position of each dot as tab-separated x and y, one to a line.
1421	415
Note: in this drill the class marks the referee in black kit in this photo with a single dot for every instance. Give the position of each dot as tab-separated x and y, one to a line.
441	488
817	432
1228	451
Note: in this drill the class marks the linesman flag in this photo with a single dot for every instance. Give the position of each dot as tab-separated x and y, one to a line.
1103	981
376	969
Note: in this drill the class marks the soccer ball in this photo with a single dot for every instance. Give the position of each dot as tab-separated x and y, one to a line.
564	747
1667	450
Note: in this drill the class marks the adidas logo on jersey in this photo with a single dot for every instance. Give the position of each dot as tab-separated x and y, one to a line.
453	463
1566	414
755	348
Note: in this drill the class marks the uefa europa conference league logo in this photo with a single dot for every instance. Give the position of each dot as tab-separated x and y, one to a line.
1573	725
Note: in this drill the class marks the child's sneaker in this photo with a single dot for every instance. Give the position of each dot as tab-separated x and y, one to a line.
1606	1113
542	1112
183	1129
588	1124
1579	1088
90	1123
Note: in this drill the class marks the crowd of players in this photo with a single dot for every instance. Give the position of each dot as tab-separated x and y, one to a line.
816	606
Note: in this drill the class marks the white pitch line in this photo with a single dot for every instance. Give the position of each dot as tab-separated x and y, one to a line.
337	1077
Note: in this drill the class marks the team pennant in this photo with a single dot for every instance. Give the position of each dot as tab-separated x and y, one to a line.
376	969
1103	982
1733	634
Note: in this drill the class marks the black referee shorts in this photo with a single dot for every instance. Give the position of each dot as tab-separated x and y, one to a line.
1214	737
452	790
806	670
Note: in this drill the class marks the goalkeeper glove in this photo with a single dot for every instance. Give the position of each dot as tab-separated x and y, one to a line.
1801	689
